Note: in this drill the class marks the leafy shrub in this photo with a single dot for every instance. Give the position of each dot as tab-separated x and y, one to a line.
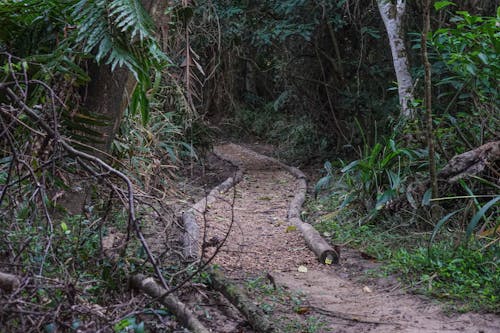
377	177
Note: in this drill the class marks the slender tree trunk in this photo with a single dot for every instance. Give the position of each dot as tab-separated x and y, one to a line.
392	15
428	100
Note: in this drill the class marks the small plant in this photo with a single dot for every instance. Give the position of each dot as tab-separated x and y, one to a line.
468	275
129	325
376	178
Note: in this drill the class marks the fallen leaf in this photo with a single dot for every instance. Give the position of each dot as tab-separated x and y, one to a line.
302	310
367	289
302	269
291	228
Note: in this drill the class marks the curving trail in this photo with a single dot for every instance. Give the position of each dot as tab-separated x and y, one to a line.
260	242
260	239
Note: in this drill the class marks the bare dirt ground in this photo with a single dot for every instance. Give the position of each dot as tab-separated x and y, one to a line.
261	243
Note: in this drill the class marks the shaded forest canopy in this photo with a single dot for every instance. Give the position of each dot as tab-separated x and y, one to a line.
107	107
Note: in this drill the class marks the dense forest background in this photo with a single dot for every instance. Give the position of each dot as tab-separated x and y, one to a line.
106	107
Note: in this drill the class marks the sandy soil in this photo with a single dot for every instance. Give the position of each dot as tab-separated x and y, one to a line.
261	242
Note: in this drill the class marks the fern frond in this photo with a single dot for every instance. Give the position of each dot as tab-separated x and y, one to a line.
119	32
130	16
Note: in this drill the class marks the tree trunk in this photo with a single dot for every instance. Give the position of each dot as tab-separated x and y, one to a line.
428	100
108	93
107	96
392	15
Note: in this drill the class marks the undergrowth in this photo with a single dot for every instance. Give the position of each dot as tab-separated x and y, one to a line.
296	138
288	309
463	275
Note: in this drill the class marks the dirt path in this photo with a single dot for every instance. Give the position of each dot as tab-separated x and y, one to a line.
261	242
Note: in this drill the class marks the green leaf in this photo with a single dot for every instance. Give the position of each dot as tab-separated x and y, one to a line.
350	166
386	196
484	58
438	227
438	5
426	200
475	219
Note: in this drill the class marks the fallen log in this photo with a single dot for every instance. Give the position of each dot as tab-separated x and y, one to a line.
174	305
234	294
325	253
9	282
190	236
298	200
471	162
191	246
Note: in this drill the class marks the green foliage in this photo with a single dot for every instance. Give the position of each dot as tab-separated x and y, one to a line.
466	73
470	49
129	325
296	138
377	177
276	21
467	275
55	37
32	26
120	32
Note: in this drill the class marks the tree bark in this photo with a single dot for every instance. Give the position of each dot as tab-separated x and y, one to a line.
108	92
9	282
239	299
107	95
179	309
392	15
471	162
428	100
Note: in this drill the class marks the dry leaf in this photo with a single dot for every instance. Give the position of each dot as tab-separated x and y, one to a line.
302	310
302	269
367	289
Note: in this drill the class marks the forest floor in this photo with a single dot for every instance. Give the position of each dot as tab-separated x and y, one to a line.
272	261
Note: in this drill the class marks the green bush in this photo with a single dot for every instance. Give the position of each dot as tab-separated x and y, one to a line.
468	275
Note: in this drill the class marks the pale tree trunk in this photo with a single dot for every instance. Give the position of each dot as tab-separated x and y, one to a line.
392	14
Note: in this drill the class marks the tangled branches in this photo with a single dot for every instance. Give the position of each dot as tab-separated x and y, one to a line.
51	196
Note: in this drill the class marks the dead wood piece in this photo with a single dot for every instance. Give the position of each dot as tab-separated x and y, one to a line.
191	248
471	162
297	173
298	200
239	299
9	282
325	253
178	308
191	236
